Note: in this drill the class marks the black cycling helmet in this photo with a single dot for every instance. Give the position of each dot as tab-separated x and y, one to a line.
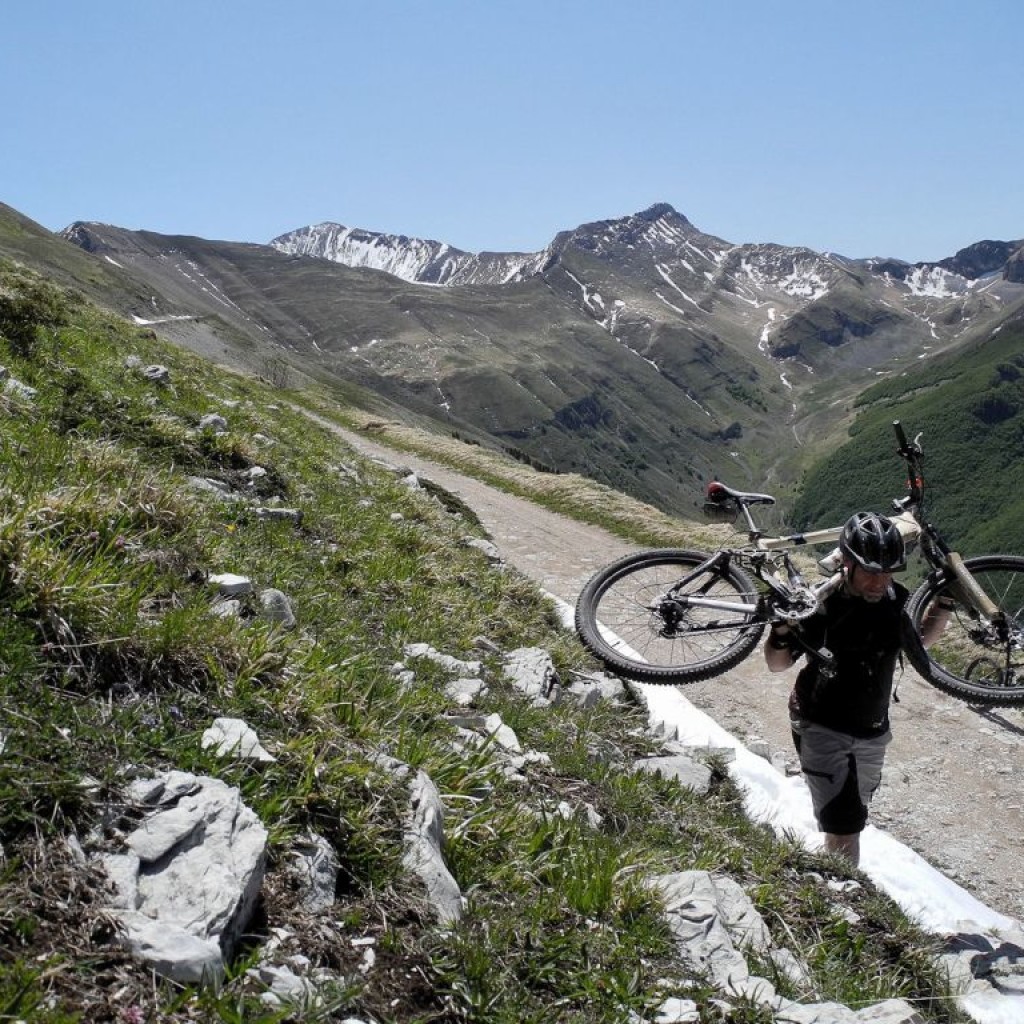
873	542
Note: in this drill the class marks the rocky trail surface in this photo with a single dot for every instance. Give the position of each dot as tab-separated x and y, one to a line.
952	787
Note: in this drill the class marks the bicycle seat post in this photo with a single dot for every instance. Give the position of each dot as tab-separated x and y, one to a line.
754	532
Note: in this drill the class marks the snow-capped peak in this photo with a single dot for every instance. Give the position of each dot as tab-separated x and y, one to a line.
412	259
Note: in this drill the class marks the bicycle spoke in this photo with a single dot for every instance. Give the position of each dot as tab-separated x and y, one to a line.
635	616
976	658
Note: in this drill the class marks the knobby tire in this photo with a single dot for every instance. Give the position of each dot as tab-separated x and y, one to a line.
973	659
617	620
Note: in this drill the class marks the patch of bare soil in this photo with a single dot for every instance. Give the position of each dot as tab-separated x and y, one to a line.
951	789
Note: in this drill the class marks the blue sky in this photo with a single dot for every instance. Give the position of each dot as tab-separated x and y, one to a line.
881	127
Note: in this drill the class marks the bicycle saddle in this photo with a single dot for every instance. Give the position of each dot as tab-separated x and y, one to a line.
718	492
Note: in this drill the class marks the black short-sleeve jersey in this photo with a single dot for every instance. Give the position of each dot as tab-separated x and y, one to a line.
864	640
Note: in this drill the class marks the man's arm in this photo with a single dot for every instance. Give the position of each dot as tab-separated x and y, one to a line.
779	650
935	621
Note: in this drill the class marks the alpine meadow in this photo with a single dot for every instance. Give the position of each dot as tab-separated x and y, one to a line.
433	833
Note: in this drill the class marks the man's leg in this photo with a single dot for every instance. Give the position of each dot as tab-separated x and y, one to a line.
838	795
843	773
869	757
844	846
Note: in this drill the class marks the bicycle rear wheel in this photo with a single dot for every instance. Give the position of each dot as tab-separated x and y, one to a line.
628	616
975	659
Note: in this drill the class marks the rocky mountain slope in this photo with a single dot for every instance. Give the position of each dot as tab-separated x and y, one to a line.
411	259
639	351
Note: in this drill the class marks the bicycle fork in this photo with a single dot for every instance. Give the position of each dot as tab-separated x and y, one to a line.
969	591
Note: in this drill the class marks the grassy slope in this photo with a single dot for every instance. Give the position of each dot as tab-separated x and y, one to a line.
113	665
25	240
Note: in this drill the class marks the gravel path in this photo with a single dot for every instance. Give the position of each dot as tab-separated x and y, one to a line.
950	789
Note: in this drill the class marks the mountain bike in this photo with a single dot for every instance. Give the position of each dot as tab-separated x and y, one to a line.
677	616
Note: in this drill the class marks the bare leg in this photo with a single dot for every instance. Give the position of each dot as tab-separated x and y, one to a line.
845	846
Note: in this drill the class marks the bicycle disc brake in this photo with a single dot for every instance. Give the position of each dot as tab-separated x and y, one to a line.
668	618
987	672
1002	637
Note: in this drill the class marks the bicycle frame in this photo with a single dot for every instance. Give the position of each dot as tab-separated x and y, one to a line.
691	615
792	598
935	550
907	515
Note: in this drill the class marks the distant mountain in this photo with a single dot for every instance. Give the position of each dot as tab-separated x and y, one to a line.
432	262
640	350
797	304
411	259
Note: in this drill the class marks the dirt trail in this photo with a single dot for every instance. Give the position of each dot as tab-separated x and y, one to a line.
952	788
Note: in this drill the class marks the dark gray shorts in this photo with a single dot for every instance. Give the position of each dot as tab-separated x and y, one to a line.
842	773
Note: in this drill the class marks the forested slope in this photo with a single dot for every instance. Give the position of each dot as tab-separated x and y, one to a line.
969	409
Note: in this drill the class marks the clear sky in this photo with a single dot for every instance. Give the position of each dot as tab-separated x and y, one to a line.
875	127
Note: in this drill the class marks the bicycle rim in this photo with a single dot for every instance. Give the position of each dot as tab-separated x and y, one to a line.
620	617
975	659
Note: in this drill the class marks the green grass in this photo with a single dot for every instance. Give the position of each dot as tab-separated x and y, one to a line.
113	663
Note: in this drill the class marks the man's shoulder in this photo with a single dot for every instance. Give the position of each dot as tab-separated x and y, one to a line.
844	604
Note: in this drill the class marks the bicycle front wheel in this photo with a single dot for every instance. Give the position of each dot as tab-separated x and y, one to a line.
975	659
634	616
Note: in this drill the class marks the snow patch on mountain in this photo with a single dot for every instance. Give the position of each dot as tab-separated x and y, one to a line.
411	259
667	233
611	321
805	282
143	322
195	275
933	282
700	252
590	298
663	271
762	343
753	273
671	305
804	275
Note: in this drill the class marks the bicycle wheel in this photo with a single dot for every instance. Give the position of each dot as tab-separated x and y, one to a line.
627	616
975	659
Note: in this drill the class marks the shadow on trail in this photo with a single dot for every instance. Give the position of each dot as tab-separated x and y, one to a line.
995	717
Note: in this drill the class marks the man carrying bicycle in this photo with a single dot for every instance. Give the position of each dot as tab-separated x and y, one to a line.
839	706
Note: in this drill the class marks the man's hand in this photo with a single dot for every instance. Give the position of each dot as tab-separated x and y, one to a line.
781	635
780	650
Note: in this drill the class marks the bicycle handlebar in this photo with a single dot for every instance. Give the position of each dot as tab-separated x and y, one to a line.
910	452
901	438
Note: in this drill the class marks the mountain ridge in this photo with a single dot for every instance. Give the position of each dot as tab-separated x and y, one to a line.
696	268
640	351
972	261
